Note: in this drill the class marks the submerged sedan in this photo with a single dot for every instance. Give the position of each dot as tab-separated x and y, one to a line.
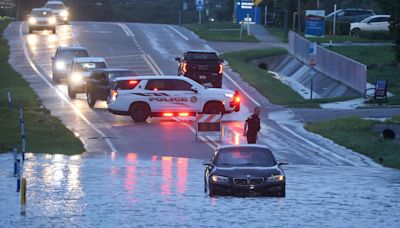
244	170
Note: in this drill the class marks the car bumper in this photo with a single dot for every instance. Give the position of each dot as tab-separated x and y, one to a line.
42	26
264	189
214	79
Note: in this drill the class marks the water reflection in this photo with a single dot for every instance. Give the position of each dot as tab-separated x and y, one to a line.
130	174
166	166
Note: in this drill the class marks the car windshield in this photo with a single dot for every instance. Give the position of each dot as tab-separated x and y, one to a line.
41	13
89	66
245	156
70	54
117	74
195	56
55	6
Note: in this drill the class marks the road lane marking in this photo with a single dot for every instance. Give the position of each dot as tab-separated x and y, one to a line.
151	60
60	94
179	33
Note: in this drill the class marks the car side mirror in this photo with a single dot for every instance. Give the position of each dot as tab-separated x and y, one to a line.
177	59
194	89
207	163
283	163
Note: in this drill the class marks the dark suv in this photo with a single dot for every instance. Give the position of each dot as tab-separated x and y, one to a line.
350	15
203	67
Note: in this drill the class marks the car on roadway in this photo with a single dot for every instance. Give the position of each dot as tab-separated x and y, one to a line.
41	19
244	170
62	60
372	23
168	96
59	10
79	71
203	67
101	81
350	15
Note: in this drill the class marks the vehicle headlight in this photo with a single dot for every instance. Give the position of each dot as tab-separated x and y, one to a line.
64	13
76	77
32	20
52	20
229	95
61	65
276	178
219	179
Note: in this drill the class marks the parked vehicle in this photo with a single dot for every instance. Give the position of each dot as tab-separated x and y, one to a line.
350	15
372	23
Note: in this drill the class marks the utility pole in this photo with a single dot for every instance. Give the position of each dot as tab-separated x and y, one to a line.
18	9
298	17
286	19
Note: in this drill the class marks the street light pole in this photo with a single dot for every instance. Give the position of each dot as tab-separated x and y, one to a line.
298	17
286	19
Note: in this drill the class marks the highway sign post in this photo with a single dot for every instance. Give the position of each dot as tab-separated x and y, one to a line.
315	26
199	7
312	54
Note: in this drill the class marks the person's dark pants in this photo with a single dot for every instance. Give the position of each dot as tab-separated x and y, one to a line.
251	139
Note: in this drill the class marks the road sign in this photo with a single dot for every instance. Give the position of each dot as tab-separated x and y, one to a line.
246	9
257	2
312	53
199	5
315	26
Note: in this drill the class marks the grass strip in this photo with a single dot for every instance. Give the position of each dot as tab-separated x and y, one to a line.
358	135
44	133
270	87
381	65
221	32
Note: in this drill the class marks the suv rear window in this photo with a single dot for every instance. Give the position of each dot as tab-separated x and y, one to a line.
194	56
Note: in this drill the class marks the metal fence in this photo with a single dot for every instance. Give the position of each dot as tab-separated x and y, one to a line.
336	66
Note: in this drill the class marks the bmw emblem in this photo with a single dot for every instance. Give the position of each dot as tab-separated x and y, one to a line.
193	99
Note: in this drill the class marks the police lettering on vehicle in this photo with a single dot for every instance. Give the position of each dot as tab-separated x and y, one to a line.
169	99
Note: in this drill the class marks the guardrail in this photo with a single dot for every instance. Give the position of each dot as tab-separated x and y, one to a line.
338	67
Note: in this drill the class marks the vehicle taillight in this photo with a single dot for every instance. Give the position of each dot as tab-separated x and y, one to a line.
235	101
168	114
114	94
184	67
184	114
126	84
220	68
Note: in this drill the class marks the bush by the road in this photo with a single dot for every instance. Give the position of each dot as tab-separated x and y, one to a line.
376	35
358	135
44	133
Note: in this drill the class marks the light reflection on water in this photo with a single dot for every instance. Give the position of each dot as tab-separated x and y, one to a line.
93	190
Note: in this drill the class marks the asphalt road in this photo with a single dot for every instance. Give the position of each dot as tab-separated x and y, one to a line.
150	49
151	173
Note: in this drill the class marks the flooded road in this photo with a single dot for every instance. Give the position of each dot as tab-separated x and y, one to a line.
132	190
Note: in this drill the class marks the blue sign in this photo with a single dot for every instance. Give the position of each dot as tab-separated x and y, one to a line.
199	5
247	11
315	26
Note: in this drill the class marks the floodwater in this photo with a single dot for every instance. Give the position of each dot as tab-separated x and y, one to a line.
131	190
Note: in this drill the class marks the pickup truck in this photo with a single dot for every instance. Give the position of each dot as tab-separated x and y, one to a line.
203	67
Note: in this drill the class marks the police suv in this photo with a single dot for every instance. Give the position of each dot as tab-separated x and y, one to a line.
166	96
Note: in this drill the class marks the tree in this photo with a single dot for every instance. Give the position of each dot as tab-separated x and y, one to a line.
393	8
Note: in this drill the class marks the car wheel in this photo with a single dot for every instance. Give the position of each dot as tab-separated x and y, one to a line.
214	108
139	112
56	80
91	100
355	32
54	30
71	93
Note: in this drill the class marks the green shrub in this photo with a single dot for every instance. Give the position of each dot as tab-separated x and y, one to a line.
342	28
376	35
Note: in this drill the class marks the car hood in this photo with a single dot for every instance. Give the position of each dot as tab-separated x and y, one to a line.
238	172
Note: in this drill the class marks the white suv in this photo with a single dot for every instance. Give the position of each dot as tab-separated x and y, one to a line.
165	96
79	72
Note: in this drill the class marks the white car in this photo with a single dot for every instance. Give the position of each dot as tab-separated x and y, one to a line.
42	19
165	96
79	72
59	10
372	23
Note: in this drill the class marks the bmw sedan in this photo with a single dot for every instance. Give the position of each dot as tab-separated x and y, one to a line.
244	170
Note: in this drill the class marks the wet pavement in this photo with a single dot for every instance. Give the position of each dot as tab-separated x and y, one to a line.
130	190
